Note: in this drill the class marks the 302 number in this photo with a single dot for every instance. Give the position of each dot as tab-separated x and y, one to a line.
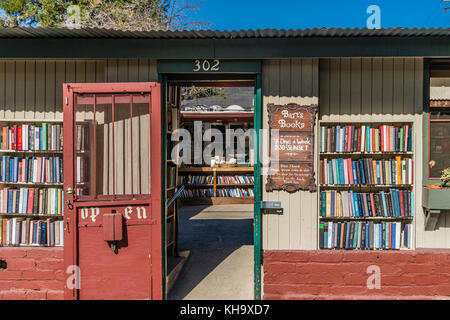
206	65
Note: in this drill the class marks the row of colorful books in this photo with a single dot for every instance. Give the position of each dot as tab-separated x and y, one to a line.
44	201
21	231
365	235
32	138
235	192
394	203
31	169
190	179
367	171
235	179
365	138
197	193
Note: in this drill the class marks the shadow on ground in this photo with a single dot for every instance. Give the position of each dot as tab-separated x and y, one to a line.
220	240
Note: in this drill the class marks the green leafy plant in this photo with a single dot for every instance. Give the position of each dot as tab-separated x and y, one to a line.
445	177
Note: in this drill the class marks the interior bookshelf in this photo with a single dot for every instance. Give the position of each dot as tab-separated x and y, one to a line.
366	185
217	185
31	183
172	123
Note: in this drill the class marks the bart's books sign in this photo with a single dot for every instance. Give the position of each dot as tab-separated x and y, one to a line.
291	147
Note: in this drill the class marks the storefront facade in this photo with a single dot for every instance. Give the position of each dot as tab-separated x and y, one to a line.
356	77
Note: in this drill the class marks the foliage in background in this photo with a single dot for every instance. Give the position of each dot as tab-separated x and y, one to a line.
137	15
194	92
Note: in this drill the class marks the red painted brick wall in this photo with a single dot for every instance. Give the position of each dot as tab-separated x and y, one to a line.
421	274
32	274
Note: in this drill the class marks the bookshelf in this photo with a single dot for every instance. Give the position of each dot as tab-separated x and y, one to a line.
172	124
237	181
31	183
366	186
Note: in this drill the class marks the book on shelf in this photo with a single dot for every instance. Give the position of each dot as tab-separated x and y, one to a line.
171	177
26	137
365	235
235	192
392	203
197	193
82	169
366	138
31	169
201	179
27	231
247	179
82	137
38	201
366	171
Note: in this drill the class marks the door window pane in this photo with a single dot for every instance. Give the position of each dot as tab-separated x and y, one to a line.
112	144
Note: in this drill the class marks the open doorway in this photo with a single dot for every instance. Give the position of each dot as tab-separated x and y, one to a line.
211	174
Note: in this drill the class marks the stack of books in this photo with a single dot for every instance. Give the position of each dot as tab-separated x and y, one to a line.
31	169
393	203
235	179
367	171
32	138
365	235
28	232
45	201
365	138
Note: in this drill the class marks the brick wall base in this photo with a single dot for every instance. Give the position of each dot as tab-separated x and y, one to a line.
32	274
421	274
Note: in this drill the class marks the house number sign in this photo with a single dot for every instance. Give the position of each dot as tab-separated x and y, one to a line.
291	147
206	65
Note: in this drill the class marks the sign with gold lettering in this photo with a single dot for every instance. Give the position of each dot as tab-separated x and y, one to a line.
291	147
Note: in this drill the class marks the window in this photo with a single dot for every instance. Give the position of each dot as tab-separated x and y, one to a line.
439	119
112	145
439	143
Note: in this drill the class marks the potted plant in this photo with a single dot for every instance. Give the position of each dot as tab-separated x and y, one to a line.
445	178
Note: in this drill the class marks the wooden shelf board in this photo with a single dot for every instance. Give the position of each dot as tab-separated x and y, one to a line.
56	121
236	185
30	246
366	185
49	184
367	153
218	200
32	151
28	215
366	218
218	170
324	123
373	249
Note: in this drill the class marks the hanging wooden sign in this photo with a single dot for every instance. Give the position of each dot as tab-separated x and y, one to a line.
291	147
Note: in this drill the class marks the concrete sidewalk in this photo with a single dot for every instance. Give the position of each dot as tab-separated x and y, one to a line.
220	241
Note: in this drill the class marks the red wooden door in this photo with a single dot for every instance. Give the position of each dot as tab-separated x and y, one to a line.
112	183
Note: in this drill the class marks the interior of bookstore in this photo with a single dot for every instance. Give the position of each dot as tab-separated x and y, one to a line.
210	167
